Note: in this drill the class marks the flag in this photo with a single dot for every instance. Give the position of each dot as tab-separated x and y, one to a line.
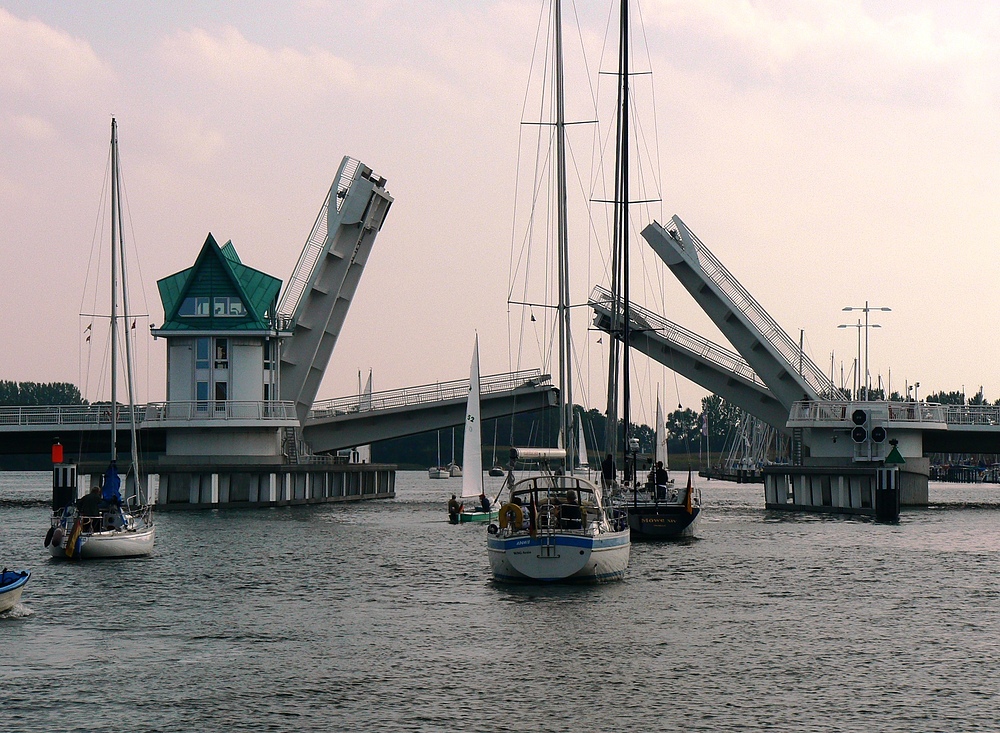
88	338
88	327
687	499
133	325
704	423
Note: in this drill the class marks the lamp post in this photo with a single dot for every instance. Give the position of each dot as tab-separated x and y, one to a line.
867	308
859	325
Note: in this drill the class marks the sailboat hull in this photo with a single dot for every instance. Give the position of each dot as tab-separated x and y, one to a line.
557	557
111	544
648	521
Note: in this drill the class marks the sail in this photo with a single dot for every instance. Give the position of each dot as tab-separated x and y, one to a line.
364	452
581	450
472	455
661	436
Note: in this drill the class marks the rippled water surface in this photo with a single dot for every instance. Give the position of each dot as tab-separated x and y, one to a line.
380	616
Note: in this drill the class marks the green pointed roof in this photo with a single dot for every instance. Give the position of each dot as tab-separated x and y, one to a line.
217	279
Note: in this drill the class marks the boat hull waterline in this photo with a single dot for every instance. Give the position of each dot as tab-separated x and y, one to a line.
560	558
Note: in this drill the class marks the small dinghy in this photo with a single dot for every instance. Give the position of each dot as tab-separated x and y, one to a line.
12	583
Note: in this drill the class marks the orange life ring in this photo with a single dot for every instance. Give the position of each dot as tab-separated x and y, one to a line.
505	515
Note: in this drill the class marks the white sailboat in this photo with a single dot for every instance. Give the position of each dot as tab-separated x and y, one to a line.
438	471
454	470
582	459
102	524
476	507
557	527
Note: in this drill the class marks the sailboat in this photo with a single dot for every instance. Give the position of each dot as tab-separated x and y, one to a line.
475	506
658	510
438	471
103	524
557	526
454	470
497	469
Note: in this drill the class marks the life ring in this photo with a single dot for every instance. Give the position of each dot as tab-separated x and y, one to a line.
511	511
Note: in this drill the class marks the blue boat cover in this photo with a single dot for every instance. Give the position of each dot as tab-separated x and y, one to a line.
112	482
10	579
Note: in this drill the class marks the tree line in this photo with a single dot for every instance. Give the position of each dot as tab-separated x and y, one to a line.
39	393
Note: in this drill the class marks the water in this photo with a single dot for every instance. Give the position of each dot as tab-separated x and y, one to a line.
380	616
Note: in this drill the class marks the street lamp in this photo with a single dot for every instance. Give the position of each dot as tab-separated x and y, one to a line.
866	308
859	325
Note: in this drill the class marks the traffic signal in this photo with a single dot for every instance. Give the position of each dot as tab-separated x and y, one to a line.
860	432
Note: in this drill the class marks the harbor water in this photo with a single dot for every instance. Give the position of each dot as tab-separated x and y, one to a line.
381	616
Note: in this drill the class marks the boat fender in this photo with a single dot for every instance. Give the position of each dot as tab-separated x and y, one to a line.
57	536
511	513
48	536
493	529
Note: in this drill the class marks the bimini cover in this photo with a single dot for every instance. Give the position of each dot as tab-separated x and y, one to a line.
112	485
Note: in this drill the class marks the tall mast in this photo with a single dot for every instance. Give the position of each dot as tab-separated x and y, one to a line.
563	307
623	224
619	258
114	287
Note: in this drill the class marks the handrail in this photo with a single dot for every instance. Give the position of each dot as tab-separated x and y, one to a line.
645	320
99	415
316	241
758	317
456	389
842	410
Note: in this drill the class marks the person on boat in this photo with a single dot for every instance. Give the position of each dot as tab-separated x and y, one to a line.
661	475
608	472
453	509
89	508
484	502
570	516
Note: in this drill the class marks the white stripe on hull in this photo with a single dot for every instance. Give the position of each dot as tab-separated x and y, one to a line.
10	598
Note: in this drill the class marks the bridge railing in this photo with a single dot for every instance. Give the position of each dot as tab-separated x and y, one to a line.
95	416
841	411
408	396
765	324
645	320
972	414
71	415
198	410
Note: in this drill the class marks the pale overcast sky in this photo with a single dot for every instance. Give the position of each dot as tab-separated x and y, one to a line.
828	151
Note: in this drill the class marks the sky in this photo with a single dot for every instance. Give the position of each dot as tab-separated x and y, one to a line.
829	152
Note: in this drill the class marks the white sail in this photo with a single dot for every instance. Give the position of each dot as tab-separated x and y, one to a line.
472	455
582	458
364	452
661	436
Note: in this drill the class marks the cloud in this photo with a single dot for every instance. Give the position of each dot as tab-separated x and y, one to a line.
44	67
230	61
827	47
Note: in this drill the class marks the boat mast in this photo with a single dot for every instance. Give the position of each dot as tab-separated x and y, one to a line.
563	307
115	226
620	260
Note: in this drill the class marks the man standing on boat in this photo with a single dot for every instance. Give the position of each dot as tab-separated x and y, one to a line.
608	472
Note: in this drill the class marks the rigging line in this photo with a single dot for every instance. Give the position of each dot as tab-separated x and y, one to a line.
656	127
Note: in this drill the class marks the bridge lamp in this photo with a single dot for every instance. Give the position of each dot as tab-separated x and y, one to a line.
859	325
867	309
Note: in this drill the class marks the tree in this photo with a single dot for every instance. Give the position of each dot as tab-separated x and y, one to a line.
683	431
37	393
723	418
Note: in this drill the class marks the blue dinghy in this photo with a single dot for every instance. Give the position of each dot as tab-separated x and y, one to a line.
12	582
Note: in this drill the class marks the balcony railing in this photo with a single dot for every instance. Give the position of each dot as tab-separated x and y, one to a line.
409	396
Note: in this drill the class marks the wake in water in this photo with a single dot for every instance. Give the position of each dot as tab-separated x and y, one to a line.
18	611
